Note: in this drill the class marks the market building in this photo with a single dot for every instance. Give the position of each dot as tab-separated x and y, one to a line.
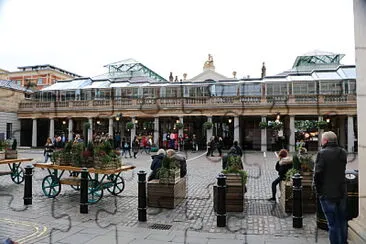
130	99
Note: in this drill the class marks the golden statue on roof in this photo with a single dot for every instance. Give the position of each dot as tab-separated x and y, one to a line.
209	65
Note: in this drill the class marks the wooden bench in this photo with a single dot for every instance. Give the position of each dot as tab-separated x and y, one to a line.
166	195
234	194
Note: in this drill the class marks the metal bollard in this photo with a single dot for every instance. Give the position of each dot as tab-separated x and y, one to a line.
28	185
141	195
84	191
297	201
221	200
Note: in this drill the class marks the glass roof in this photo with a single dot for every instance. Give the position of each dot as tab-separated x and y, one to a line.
318	58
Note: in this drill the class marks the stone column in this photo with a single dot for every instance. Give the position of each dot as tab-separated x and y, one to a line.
342	131
70	136
34	133
52	127
110	127
236	129
350	135
292	134
209	131
320	131
90	130
357	227
180	132
133	130
264	136
156	131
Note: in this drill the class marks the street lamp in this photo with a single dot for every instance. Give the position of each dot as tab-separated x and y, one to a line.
229	121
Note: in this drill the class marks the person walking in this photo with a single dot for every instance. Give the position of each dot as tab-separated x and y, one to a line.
135	146
330	185
283	165
220	145
48	150
126	147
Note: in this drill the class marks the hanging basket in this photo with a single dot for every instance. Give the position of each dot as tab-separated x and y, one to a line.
207	125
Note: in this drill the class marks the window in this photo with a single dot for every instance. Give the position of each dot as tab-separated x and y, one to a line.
274	89
352	87
40	81
331	87
223	91
304	88
250	90
9	130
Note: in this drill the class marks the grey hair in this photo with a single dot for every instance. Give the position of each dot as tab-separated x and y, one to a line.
330	136
170	151
161	151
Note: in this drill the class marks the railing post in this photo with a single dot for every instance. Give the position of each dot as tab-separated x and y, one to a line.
84	191
28	185
297	201
141	196
221	200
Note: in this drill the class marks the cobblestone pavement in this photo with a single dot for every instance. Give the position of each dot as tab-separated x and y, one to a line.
58	220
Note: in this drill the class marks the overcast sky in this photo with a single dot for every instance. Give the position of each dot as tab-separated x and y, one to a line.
170	35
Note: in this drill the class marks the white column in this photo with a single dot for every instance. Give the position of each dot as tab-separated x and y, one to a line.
350	134
320	132
110	127
52	127
292	134
236	129
156	131
70	136
209	131
90	130
34	133
264	136
133	130
357	226
180	132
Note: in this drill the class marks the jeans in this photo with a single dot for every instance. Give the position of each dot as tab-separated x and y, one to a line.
336	213
274	185
46	157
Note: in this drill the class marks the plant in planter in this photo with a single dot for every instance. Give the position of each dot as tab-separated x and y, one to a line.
63	157
207	125
11	152
263	125
235	166
168	173
2	152
179	125
322	124
105	157
291	173
130	125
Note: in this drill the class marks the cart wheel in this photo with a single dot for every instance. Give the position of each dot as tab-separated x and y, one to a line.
117	186
95	191
51	186
18	176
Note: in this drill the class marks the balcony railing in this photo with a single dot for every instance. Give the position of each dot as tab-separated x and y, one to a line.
177	103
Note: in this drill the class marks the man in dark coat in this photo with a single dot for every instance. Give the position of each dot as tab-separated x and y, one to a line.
156	164
330	184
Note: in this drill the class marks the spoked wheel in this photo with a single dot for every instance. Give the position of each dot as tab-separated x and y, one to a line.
95	191
17	176
51	186
117	184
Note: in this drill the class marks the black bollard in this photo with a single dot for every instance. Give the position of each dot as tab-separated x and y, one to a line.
141	195
221	200
297	201
28	185
84	191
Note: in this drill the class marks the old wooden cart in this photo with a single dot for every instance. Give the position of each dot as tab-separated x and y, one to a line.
16	172
98	180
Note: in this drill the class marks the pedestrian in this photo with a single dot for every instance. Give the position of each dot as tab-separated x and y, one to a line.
236	149
126	148
49	146
135	146
330	185
194	143
283	165
220	145
180	161
156	164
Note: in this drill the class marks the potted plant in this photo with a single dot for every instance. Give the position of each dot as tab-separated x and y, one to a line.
263	125
105	157
322	124
11	152
179	125
168	173
129	125
207	125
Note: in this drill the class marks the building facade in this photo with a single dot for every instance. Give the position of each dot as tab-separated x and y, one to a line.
317	88
37	76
